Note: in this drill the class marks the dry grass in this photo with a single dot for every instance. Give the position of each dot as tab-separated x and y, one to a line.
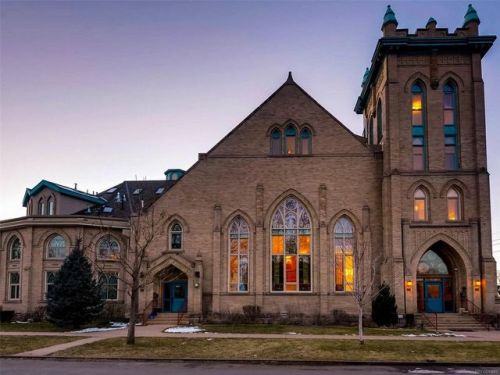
30	327
18	344
296	349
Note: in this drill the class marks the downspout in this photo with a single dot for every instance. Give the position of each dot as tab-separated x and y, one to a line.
404	263
480	255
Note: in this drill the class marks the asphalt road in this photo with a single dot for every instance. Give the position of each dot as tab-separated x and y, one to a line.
54	367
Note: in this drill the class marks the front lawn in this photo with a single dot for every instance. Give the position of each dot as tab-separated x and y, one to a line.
17	344
305	330
288	349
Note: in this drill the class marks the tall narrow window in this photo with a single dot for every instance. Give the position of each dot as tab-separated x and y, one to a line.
305	141
50	277
420	205
51	206
41	207
276	142
108	248
380	134
239	235
176	236
344	257
108	282
291	247
56	248
14	285
418	127
15	249
450	127
454	205
291	136
370	131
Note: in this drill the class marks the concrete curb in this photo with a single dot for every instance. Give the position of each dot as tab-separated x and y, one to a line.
274	362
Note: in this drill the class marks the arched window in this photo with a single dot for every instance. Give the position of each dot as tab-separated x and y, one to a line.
50	277
450	126
305	141
239	235
108	248
51	207
370	131
432	264
291	143
15	249
41	207
344	255
175	234
108	282
454	205
420	205
379	122
57	247
276	142
291	247
418	126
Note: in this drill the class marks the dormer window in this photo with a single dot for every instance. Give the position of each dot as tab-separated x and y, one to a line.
137	191
41	207
51	207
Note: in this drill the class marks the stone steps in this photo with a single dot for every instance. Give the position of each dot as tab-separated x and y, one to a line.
450	322
172	319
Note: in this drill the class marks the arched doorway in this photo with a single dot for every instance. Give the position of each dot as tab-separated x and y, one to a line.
439	281
174	290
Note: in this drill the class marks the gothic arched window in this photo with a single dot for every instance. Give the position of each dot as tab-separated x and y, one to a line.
344	255
41	207
420	209
56	247
418	126
175	236
51	206
291	247
239	237
276	142
291	140
454	205
108	248
379	122
15	249
450	126
305	141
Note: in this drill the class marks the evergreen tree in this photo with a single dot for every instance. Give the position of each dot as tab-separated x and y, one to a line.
74	298
384	308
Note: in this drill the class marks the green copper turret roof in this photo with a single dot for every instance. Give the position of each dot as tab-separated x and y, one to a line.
431	20
471	16
389	17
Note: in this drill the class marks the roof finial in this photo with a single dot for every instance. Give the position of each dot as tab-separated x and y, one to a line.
365	76
471	16
389	17
431	21
289	80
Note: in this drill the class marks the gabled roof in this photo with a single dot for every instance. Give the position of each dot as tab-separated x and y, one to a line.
62	190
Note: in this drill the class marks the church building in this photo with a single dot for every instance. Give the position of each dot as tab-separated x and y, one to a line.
277	214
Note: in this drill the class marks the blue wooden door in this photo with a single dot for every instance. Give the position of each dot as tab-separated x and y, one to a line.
434	301
178	296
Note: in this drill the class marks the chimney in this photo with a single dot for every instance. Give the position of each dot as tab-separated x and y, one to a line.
76	186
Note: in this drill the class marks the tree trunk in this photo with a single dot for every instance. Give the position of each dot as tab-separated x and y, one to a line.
133	315
360	325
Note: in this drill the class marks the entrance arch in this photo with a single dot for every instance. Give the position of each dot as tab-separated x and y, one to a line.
174	290
441	280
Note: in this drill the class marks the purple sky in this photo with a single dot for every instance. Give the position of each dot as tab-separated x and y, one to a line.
100	92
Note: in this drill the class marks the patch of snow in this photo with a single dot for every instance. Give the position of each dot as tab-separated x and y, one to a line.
19	322
464	371
180	329
423	371
113	326
291	333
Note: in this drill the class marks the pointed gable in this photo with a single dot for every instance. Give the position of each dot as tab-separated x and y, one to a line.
289	104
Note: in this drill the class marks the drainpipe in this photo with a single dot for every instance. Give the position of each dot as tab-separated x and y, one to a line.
404	263
480	255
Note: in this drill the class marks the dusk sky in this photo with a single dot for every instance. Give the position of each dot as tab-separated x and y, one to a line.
96	93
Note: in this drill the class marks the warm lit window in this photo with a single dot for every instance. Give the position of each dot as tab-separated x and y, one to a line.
290	137
14	285
51	207
50	277
175	234
453	199
108	283
291	247
239	237
108	248
15	249
41	207
450	127
418	126
305	141
56	248
420	205
276	142
380	134
344	256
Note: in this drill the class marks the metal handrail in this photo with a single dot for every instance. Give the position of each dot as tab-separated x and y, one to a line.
435	325
145	312
180	314
474	306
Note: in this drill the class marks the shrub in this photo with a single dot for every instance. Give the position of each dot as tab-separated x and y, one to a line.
251	312
384	309
6	316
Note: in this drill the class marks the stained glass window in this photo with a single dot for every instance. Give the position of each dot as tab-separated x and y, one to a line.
175	236
450	127
14	285
109	248
453	202
344	256
15	249
239	236
291	247
57	247
290	136
418	126
432	264
419	205
305	141
276	142
108	283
